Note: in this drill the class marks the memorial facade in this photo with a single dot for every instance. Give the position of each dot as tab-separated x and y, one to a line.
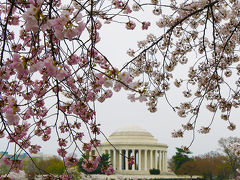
136	142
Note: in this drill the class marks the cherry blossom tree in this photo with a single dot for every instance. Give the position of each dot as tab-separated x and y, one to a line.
230	146
52	71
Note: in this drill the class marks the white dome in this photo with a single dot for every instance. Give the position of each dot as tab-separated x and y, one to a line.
131	135
135	141
131	128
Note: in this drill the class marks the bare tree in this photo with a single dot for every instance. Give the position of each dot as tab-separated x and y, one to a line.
233	159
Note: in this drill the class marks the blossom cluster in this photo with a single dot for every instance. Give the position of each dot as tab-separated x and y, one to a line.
91	163
203	38
235	148
39	65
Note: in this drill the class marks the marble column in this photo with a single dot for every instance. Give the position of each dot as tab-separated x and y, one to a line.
126	159
120	159
160	161
155	155
114	159
145	159
151	158
165	160
139	160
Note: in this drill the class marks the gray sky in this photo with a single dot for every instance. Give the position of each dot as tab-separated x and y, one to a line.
119	111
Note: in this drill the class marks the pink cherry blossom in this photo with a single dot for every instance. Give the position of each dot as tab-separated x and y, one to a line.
62	142
130	25
127	10
145	25
34	149
87	147
132	97
16	165
65	177
98	24
108	170
30	17
70	161
131	160
90	164
61	152
45	137
7	160
12	119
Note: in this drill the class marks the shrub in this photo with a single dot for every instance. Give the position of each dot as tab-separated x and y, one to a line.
154	171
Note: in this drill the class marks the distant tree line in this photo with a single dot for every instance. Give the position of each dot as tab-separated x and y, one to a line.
212	165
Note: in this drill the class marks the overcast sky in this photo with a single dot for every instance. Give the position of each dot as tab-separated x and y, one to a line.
119	111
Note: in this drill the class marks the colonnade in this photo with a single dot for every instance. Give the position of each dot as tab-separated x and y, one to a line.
145	159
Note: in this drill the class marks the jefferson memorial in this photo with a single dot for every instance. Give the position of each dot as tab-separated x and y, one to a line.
137	142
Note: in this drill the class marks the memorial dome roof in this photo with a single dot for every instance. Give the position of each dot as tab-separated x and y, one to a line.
132	135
